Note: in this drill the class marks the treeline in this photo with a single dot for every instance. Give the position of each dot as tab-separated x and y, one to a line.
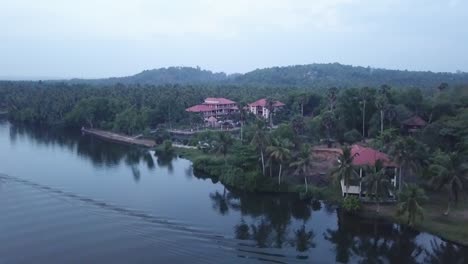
311	75
332	113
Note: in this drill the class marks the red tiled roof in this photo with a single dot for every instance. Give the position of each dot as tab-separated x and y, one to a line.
368	156
199	108
414	121
263	102
213	100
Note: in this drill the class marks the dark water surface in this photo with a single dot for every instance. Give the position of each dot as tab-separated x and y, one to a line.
68	198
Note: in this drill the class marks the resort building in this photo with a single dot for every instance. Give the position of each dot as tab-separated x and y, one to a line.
214	109
364	157
260	107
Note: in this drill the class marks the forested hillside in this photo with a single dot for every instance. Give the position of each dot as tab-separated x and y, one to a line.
312	75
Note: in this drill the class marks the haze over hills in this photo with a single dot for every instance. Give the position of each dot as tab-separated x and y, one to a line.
311	75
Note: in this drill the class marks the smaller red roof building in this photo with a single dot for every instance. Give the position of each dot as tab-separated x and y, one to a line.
263	103
364	156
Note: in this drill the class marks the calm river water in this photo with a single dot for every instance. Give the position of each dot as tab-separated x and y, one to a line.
69	198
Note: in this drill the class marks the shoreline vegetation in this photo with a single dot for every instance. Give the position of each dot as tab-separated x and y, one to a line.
422	131
453	227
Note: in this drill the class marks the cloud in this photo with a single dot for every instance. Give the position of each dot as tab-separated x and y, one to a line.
143	18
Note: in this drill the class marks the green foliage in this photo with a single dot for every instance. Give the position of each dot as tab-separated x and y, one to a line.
351	204
346	170
410	199
167	146
352	136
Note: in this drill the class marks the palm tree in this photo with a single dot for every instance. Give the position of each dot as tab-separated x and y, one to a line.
303	98
381	102
364	96
224	142
280	153
303	164
332	95
450	170
270	105
410	199
260	140
409	154
242	118
376	182
346	169
328	121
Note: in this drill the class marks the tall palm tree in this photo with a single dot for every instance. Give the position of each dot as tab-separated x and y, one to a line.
409	154
376	182
346	169
450	170
260	140
364	96
280	153
332	96
410	199
328	121
242	118
224	142
302	165
381	102
270	105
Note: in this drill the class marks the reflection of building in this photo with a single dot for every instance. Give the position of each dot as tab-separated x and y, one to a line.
260	107
363	157
413	124
214	107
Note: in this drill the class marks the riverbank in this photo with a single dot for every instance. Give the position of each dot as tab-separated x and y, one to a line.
119	138
453	227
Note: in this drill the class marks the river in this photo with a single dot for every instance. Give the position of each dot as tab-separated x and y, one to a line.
71	198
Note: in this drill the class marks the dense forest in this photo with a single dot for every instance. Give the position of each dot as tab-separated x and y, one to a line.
308	76
434	158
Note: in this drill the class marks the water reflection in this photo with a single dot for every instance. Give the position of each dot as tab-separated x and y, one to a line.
272	221
280	225
99	152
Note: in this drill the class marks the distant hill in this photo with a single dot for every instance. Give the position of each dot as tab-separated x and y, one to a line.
171	75
311	75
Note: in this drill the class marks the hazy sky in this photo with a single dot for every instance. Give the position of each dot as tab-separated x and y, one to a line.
100	38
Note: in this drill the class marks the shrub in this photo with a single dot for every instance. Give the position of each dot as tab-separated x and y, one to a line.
352	136
351	204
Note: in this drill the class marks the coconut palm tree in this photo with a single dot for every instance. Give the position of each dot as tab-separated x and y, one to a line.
242	118
223	143
364	96
410	199
345	170
409	154
376	183
280	153
449	170
270	105
381	102
260	140
302	165
332	96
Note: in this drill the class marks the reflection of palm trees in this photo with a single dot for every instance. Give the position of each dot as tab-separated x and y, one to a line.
261	233
445	252
303	239
166	161
220	202
242	231
404	249
136	173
